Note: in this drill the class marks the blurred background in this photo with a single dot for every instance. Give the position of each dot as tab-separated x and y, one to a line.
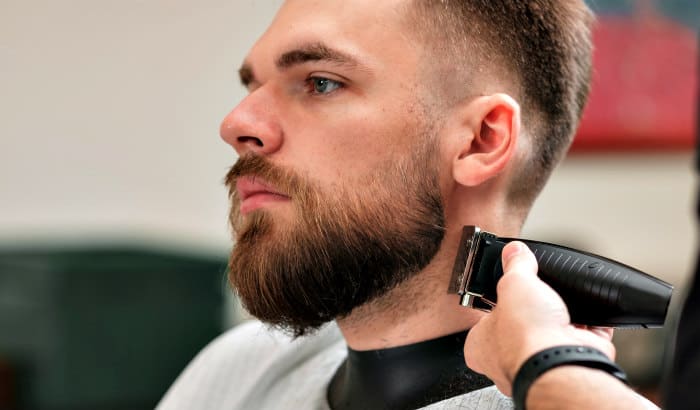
113	234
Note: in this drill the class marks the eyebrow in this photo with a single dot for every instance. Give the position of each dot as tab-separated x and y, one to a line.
314	52
300	55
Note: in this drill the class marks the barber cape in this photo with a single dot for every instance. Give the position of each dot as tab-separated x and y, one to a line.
254	367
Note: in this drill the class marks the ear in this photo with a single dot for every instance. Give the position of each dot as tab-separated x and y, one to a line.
493	124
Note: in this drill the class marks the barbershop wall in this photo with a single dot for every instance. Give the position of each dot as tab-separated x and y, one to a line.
109	115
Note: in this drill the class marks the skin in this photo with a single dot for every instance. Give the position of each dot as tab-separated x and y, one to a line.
339	131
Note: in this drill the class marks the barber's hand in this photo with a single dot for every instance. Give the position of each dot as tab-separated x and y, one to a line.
529	317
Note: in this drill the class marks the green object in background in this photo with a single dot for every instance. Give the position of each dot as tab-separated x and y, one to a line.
104	328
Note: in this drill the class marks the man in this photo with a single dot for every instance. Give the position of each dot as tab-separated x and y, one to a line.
372	132
680	389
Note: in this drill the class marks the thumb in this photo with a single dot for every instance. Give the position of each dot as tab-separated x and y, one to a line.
518	259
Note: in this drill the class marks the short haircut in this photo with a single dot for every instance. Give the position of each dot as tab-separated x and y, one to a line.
543	46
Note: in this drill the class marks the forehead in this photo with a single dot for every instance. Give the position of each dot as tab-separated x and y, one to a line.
366	28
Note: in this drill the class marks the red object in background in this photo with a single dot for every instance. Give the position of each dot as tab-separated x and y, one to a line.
645	83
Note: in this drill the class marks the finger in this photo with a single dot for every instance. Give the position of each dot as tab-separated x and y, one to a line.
517	258
476	339
588	338
604	332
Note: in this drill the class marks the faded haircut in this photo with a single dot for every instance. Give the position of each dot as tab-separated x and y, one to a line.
540	49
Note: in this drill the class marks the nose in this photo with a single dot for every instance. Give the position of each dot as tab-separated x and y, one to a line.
253	126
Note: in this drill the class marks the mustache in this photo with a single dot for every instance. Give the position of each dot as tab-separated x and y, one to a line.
285	180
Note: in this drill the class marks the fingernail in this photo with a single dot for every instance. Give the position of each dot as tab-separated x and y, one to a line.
511	250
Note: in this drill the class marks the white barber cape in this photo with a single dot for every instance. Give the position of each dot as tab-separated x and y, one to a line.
252	367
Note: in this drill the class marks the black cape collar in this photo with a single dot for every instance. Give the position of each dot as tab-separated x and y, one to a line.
404	377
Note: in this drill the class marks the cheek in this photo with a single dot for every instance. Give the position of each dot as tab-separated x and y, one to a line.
342	138
345	149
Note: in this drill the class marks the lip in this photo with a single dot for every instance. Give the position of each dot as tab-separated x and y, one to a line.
256	193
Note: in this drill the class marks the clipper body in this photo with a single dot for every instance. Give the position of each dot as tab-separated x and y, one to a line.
597	291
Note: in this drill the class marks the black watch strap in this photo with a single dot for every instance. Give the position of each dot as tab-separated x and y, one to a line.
553	357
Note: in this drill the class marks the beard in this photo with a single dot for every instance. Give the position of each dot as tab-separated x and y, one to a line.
345	247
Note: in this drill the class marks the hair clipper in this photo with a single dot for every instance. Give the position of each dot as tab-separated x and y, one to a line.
597	291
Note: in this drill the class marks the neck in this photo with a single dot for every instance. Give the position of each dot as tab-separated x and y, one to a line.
419	309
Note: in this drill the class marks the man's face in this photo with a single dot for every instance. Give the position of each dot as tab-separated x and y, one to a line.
336	195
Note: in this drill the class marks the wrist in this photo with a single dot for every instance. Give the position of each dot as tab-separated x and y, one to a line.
578	387
546	360
532	343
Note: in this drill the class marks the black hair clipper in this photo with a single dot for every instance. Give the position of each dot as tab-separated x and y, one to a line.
597	291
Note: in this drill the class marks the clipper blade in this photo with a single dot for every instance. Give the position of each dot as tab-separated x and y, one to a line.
464	262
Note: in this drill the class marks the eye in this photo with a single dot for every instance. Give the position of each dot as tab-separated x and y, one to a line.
322	85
